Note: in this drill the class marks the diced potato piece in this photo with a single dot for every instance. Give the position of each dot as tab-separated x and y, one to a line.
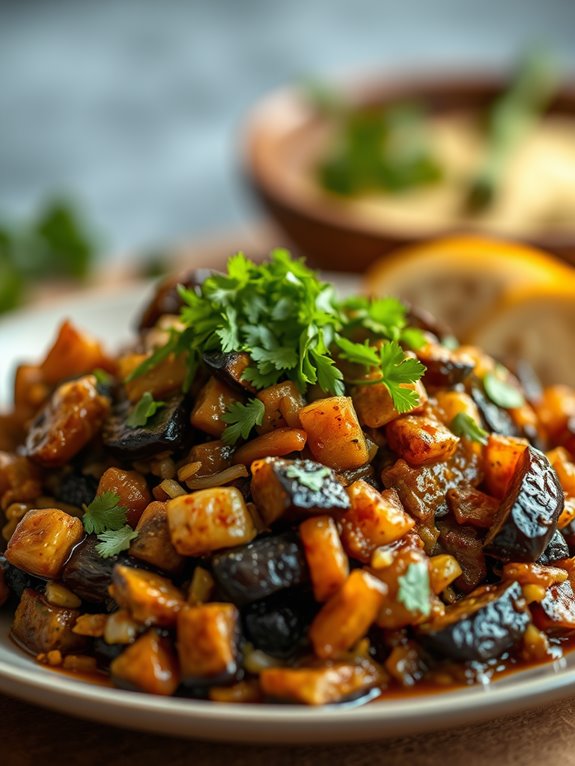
211	403
207	642
214	457
208	520
275	406
19	479
334	436
374	404
375	518
150	598
453	403
70	420
161	381
153	543
73	353
121	628
132	489
501	456
148	665
58	595
92	625
42	627
557	406
348	615
561	461
394	614
443	570
328	564
421	440
276	443
320	686
43	540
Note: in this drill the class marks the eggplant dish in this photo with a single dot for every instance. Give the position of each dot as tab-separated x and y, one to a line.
276	495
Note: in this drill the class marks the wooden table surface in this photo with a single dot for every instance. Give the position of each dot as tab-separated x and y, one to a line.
30	736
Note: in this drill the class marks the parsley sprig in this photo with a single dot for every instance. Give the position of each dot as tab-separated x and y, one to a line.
241	418
291	324
106	518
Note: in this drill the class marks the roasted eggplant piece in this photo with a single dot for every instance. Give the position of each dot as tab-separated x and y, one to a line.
42	627
444	367
261	568
466	544
470	506
296	487
480	626
153	543
16	580
167	299
168	430
556	549
229	368
495	418
527	518
87	574
277	625
557	609
76	489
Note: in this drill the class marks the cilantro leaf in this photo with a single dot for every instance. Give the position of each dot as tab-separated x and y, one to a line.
413	337
399	371
414	589
313	479
104	513
466	426
501	392
358	353
145	409
241	418
115	541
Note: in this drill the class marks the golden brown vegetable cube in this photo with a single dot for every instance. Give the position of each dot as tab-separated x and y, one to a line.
443	570
207	642
556	408
42	627
214	457
452	403
283	397
328	564
148	665
375	518
348	615
564	467
162	380
334	436
153	543
211	404
321	686
150	598
132	489
208	520
43	540
276	443
19	479
501	456
420	440
374	405
395	613
73	353
70	420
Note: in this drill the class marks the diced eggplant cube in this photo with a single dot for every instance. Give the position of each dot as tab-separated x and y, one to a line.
87	574
276	625
266	566
42	627
153	543
207	643
229	368
298	487
557	549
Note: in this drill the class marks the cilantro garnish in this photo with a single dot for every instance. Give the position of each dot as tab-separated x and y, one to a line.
103	513
311	479
464	425
414	590
500	391
289	322
115	541
145	409
241	418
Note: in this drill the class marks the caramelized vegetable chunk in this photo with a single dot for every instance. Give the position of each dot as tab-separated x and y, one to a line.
162	381
281	441
396	612
87	574
557	609
375	518
208	520
211	404
257	570
328	564
502	454
444	367
374	404
295	487
43	540
334	436
207	643
480	626
229	368
41	627
70	420
132	489
153	543
556	549
73	353
443	570
282	403
470	506
529	512
348	615
214	457
421	440
150	598
321	686
148	665
494	417
19	479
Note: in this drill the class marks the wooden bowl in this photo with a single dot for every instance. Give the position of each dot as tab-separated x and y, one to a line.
282	129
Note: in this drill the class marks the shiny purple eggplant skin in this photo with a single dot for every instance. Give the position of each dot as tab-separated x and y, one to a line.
527	518
556	549
480	626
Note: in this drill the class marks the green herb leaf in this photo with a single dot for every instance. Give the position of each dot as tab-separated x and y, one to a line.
398	371
104	513
414	589
115	541
413	337
145	409
466	426
501	392
241	418
103	378
311	479
358	353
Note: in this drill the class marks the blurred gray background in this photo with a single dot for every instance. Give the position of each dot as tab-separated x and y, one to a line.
134	107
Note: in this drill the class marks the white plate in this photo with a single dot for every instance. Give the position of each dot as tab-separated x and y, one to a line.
24	336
